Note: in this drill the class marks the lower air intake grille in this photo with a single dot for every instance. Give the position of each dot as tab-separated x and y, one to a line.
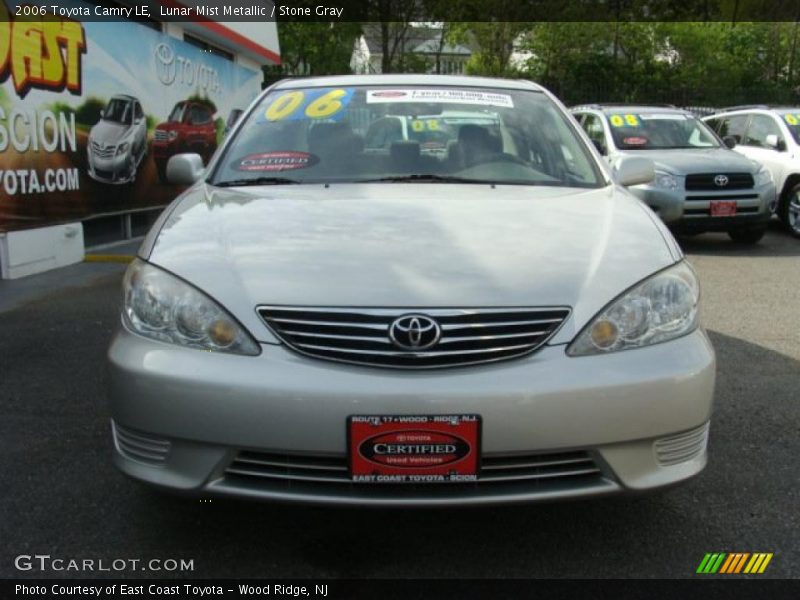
140	446
465	336
682	447
325	474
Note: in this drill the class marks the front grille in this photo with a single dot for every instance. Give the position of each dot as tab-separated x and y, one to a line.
140	446
160	136
361	335
682	447
705	181
327	474
103	151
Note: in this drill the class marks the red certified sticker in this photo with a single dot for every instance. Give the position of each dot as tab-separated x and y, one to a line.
389	94
283	160
634	141
414	449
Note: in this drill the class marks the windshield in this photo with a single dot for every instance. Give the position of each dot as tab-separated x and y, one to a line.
660	131
443	134
119	111
176	116
792	120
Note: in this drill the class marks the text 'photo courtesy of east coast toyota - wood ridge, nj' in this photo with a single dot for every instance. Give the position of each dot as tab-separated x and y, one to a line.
403	273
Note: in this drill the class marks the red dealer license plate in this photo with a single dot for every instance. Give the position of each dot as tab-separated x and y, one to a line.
414	449
723	208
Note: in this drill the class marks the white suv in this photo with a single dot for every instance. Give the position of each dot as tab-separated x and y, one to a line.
771	136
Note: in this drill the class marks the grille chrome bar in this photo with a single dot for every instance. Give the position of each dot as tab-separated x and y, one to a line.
361	335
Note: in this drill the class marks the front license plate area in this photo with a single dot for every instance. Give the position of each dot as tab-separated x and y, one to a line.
414	448
723	208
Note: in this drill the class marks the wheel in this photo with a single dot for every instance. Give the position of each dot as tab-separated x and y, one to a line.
747	236
789	211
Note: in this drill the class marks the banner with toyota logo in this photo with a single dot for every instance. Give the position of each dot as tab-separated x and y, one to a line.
90	113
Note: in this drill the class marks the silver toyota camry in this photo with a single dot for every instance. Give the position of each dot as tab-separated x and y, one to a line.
409	290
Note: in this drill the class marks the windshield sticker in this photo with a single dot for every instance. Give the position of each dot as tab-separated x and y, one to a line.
440	96
663	117
791	119
624	120
634	141
324	103
283	160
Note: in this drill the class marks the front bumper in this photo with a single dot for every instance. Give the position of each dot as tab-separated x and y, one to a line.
115	169
193	413
690	210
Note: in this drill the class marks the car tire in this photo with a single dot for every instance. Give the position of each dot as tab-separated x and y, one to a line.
789	211
750	235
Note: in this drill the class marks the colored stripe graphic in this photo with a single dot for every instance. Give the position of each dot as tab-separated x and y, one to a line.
734	562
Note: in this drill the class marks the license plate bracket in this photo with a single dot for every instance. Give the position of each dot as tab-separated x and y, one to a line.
414	448
723	208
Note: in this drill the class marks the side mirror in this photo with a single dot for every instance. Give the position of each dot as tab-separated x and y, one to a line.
729	141
776	143
635	170
185	169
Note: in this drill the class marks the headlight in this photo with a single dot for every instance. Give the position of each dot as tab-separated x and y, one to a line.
123	148
160	306
762	177
661	308
171	135
665	180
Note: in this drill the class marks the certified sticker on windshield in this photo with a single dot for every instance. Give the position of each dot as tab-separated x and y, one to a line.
440	96
414	448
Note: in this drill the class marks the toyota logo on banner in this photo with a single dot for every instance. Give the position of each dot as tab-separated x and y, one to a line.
414	332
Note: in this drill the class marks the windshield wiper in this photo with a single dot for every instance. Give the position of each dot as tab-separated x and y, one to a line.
256	181
428	177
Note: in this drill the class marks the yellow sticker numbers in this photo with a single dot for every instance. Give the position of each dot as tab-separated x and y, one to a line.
317	104
622	120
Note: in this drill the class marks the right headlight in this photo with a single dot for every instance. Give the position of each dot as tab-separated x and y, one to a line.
665	180
762	177
162	307
660	308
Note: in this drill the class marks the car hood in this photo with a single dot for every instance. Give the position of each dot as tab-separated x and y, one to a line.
681	161
109	132
410	245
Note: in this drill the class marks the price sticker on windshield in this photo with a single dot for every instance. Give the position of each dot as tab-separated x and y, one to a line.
624	120
325	103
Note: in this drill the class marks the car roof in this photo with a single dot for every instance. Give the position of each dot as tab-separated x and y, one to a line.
410	79
124	97
611	109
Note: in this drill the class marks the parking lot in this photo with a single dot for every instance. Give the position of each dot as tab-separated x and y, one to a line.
63	497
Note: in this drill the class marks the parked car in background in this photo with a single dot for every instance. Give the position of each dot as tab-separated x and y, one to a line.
771	136
190	127
700	184
117	143
316	321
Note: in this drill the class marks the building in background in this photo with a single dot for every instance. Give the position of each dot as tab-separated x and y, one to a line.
91	111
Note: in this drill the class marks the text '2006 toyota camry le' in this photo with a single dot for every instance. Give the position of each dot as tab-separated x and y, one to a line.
409	290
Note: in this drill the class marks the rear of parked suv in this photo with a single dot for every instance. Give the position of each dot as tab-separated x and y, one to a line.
771	136
700	184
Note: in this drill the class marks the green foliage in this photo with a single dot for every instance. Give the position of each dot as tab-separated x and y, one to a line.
203	99
314	48
88	113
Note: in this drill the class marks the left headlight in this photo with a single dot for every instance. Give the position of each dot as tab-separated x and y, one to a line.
123	148
160	306
661	308
665	180
762	177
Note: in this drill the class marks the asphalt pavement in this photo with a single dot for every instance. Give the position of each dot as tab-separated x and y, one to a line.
62	497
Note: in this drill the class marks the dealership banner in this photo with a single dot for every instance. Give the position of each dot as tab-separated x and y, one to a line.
90	113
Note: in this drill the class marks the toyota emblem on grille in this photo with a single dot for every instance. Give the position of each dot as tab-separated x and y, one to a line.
414	332
721	180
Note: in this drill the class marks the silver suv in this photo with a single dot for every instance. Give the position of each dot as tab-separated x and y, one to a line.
700	185
770	135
